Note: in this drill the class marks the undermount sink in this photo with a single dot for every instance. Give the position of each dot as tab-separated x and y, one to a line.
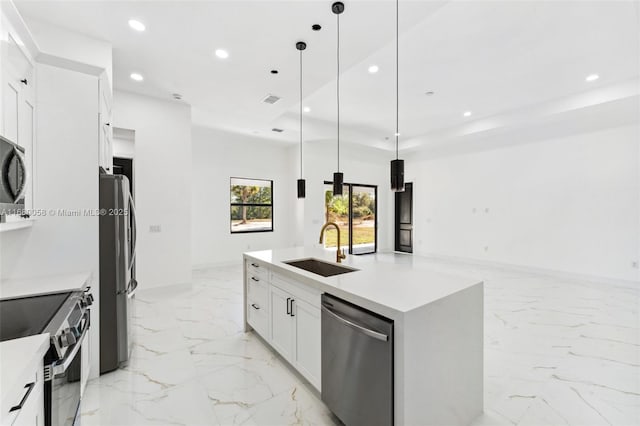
320	267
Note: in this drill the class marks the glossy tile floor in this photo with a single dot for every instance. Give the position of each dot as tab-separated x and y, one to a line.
557	352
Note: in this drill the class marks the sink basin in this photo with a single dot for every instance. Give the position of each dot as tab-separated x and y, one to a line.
320	267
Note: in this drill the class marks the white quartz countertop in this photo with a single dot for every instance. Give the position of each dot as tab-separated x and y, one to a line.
43	285
16	356
394	282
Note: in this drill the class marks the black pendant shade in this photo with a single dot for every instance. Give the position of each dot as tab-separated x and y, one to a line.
397	165
338	177
338	181
301	45
301	188
397	175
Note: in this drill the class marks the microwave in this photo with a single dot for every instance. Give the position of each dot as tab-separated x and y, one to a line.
13	177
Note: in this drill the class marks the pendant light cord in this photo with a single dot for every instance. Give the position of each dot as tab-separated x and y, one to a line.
397	78
300	114
338	88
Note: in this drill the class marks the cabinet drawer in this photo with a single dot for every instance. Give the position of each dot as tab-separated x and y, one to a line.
258	317
257	269
297	289
258	290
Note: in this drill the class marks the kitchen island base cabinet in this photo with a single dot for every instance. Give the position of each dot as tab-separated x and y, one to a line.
287	316
438	327
282	323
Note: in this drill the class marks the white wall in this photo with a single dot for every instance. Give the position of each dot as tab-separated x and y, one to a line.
218	156
163	181
569	204
123	145
66	179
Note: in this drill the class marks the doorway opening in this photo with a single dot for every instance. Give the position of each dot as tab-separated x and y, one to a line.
355	213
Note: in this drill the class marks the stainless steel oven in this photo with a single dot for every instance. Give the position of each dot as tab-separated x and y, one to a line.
63	368
66	317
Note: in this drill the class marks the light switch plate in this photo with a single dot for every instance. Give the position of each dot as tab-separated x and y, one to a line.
154	228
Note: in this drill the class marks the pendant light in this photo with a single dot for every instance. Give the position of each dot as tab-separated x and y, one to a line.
338	177
301	45
397	165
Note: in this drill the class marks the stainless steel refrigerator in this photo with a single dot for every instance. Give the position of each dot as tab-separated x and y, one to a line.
117	255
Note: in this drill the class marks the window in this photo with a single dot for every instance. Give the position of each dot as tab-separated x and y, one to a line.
355	213
251	205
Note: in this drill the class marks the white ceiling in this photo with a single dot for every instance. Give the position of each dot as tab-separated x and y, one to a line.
491	58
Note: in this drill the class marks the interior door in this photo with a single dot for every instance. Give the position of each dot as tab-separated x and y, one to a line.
404	219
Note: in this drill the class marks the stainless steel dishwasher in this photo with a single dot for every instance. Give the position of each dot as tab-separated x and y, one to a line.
357	363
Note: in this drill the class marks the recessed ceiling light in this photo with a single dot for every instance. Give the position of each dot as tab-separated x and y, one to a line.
373	69
136	25
592	77
467	113
307	109
137	77
222	54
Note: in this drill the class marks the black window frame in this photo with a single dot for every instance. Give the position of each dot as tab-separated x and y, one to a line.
350	186
232	205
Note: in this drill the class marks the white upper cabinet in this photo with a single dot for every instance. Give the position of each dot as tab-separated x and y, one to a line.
105	138
18	93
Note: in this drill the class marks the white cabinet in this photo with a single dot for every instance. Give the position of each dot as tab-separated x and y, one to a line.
295	326
29	400
282	322
105	137
85	358
307	340
18	93
287	315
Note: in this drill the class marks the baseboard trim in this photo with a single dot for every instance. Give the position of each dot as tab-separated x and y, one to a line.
537	270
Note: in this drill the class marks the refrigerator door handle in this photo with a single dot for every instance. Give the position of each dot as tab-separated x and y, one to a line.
131	291
134	231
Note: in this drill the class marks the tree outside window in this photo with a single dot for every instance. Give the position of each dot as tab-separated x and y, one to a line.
251	205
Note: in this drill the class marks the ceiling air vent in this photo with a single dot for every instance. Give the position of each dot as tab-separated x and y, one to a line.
275	129
271	99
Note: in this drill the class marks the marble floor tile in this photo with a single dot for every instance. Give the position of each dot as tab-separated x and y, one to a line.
558	351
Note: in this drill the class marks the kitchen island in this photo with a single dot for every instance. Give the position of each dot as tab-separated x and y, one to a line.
437	324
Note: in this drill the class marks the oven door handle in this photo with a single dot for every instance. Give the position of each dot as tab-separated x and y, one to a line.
62	365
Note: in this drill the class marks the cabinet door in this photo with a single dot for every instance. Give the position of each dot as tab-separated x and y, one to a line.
85	353
32	412
18	104
282	323
307	341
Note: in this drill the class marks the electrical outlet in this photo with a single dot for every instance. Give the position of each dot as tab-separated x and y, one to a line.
154	228
486	248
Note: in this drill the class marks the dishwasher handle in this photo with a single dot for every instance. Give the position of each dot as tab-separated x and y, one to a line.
364	330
